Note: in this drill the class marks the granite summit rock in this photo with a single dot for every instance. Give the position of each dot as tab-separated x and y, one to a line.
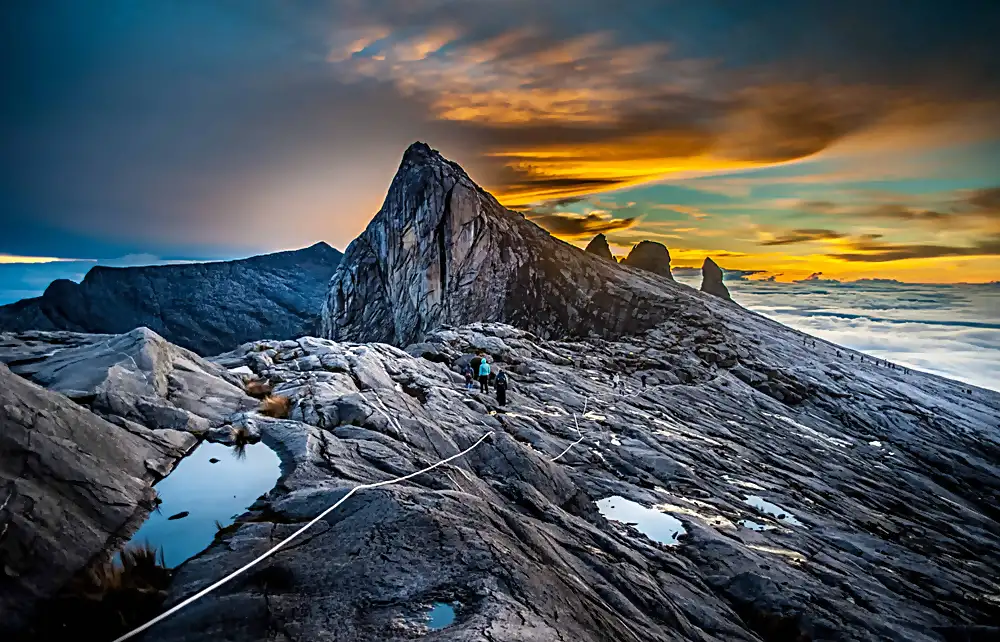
712	280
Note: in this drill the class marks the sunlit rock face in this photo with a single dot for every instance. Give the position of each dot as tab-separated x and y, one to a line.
650	256
711	280
444	251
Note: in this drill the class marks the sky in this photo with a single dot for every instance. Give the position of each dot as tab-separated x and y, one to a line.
850	139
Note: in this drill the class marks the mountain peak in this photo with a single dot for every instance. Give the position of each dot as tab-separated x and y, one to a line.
442	250
712	280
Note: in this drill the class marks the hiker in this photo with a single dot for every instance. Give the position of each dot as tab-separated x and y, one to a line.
615	381
644	380
468	376
484	376
501	387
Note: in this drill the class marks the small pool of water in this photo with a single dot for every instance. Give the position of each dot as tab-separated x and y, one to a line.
774	510
652	523
754	526
207	492
440	616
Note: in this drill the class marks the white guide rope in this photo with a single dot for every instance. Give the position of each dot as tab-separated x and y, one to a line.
275	548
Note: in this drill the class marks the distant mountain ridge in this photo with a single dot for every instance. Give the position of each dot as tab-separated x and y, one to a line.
206	307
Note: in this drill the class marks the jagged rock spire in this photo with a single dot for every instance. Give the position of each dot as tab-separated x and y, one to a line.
599	246
650	256
711	280
442	250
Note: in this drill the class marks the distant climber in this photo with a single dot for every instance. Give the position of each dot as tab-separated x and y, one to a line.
615	381
468	377
644	380
501	388
484	376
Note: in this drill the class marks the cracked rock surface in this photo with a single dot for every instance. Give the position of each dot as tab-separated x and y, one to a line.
877	489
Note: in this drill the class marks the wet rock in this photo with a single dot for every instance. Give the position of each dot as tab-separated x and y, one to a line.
70	482
205	307
599	246
650	256
711	280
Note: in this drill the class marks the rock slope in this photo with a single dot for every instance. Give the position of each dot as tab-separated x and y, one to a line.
442	250
206	307
819	497
712	280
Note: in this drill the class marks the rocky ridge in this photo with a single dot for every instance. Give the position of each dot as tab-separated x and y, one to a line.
206	307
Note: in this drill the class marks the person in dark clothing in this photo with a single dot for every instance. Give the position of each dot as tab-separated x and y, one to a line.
643	381
501	387
468	377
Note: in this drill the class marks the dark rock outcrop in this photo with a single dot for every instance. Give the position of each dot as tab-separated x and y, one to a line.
711	280
71	486
599	246
650	256
443	251
206	307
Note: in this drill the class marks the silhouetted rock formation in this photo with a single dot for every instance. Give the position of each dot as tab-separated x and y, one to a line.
650	256
599	246
444	251
711	280
206	307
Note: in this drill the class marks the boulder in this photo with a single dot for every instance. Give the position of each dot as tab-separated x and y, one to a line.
711	280
650	256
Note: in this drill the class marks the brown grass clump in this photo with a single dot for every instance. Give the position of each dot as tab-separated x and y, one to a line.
277	406
258	388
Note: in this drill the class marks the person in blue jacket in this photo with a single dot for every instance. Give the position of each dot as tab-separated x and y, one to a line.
484	376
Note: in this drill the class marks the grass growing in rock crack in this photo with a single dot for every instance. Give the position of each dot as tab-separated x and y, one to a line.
277	406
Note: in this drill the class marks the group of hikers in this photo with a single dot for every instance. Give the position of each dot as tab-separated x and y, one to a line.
479	369
885	364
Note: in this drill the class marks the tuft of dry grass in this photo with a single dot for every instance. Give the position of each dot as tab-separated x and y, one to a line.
277	406
258	388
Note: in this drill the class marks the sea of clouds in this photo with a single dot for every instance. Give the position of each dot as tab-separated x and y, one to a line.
950	330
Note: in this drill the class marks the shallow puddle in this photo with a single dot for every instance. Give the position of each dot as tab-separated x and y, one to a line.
440	616
652	523
754	526
207	492
774	510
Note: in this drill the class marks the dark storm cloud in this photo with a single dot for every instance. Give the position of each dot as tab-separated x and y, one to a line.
803	236
873	251
572	225
986	199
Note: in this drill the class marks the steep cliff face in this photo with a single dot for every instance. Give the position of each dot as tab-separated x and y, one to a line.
205	307
599	246
650	256
444	251
711	280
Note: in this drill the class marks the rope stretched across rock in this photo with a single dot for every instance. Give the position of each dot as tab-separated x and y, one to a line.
274	549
